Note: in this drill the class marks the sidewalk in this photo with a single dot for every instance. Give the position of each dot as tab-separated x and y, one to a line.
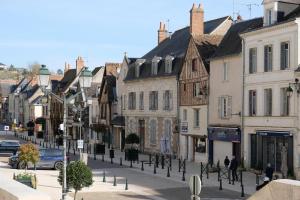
249	179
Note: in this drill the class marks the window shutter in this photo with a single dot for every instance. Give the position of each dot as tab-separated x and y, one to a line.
282	56
220	107
250	61
156	100
171	100
150	95
266	58
164	100
229	106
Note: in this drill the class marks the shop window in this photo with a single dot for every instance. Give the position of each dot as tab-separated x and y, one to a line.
200	145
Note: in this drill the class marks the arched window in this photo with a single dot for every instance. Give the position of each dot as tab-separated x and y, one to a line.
152	131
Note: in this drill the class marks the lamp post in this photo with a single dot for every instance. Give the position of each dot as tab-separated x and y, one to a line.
44	80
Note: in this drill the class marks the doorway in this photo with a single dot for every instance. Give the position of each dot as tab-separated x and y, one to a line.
236	151
142	134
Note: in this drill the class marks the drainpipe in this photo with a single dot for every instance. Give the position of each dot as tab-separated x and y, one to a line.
243	104
178	114
207	121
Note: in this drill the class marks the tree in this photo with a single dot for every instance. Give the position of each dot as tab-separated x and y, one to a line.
29	154
79	175
33	69
132	138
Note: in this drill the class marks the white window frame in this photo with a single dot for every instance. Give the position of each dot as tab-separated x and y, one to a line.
268	58
268	101
252	60
252	103
141	102
197	89
285	54
196	118
284	102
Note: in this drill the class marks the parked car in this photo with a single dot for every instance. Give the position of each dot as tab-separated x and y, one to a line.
9	146
49	158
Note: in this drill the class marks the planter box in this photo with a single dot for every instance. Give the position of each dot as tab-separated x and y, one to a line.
29	182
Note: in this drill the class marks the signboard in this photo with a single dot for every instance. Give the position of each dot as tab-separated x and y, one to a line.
6	128
195	185
184	128
80	144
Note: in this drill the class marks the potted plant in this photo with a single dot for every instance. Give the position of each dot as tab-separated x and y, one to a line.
132	153
28	154
79	175
27	179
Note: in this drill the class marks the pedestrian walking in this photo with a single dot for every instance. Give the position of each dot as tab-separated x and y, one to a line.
269	172
233	167
226	162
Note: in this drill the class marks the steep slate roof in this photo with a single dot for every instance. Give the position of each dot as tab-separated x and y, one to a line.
95	71
176	46
295	13
232	42
31	92
69	76
207	45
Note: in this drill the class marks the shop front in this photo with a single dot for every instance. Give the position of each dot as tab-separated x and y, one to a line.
224	141
274	147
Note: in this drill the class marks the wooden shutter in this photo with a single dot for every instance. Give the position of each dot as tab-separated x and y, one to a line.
220	107
250	61
266	58
282	56
229	106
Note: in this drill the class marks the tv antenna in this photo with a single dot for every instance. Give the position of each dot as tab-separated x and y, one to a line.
250	6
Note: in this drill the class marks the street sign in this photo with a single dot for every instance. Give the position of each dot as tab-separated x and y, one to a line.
6	128
195	185
184	127
80	144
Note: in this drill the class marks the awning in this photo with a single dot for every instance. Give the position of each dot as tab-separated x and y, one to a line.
118	121
274	133
228	134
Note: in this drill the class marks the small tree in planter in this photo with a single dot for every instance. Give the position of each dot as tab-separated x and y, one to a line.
28	154
132	153
79	175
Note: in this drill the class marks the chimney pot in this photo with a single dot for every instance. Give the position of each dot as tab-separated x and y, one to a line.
162	32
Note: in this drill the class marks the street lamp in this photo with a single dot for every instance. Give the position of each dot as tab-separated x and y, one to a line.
85	79
295	85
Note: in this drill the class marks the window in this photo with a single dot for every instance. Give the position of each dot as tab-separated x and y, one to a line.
152	131
225	71
196	89
141	101
225	106
184	115
252	103
168	65
284	102
252	60
200	145
196	118
284	55
184	87
131	101
268	101
154	67
124	102
167	99
194	65
269	17
268	58
153	100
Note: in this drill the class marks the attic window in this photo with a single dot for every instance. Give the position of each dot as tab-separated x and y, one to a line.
194	65
154	67
168	64
137	70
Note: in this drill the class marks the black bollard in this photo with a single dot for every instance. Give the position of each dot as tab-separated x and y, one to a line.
104	179
179	164
183	176
115	181
126	184
220	187
156	160
170	162
219	174
207	172
154	171
121	161
229	181
241	177
201	172
130	163
142	166
243	192
162	161
168	173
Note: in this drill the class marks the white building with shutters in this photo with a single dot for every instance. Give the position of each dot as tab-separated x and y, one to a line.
271	116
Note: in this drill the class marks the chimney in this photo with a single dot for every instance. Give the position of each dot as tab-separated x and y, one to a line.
79	64
67	67
162	32
197	20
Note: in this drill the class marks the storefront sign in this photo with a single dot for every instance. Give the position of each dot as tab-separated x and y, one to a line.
274	133
184	127
224	134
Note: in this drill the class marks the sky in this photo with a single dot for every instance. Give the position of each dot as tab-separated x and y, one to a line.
53	32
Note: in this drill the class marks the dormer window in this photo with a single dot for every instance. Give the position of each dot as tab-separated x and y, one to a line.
269	17
154	66
168	64
138	64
